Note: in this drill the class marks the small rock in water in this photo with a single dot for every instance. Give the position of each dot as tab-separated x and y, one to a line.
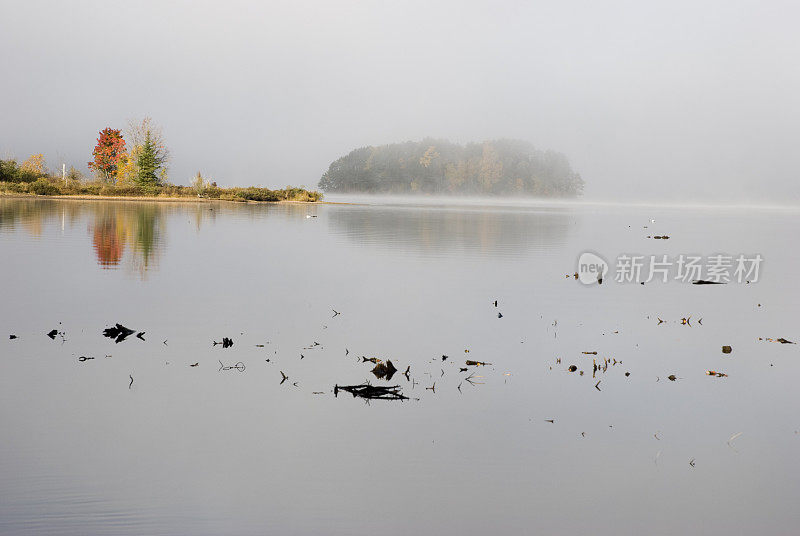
384	370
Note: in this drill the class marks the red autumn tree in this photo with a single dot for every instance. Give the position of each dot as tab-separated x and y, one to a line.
107	153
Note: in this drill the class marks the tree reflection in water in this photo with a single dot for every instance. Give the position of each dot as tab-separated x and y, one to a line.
114	227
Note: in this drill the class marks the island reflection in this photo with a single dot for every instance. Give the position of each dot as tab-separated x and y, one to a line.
431	232
132	235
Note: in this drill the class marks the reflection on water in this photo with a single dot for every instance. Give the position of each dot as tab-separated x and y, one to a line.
108	242
169	434
436	231
133	234
114	227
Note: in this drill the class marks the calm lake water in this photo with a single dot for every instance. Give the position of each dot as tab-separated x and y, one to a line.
200	450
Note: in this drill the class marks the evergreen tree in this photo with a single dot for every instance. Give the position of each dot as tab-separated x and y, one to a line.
148	162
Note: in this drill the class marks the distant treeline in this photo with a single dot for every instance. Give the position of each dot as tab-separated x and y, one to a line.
498	167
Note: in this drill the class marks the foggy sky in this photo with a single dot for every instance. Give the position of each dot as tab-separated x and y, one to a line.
688	100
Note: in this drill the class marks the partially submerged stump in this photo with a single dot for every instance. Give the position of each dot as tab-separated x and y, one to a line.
384	371
226	342
118	332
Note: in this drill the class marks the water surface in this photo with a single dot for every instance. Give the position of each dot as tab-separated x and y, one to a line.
199	450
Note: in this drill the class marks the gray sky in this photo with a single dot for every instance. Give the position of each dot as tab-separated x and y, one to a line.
688	100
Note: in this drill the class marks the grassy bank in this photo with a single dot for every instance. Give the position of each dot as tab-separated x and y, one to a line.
49	186
31	178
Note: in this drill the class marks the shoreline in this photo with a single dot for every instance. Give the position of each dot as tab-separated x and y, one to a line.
162	199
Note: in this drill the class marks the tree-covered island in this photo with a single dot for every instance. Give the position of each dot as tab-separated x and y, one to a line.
431	166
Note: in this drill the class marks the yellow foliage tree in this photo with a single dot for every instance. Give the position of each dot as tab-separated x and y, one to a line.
127	168
428	157
35	164
491	168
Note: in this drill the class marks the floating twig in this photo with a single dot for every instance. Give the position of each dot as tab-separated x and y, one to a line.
471	379
734	436
238	366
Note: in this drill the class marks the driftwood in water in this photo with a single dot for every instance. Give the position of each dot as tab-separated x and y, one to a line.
781	340
365	390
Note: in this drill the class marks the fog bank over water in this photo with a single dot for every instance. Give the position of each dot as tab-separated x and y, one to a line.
538	203
657	101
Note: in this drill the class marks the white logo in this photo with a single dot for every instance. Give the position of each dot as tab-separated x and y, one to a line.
592	268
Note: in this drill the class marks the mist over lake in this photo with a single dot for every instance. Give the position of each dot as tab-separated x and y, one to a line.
399	268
